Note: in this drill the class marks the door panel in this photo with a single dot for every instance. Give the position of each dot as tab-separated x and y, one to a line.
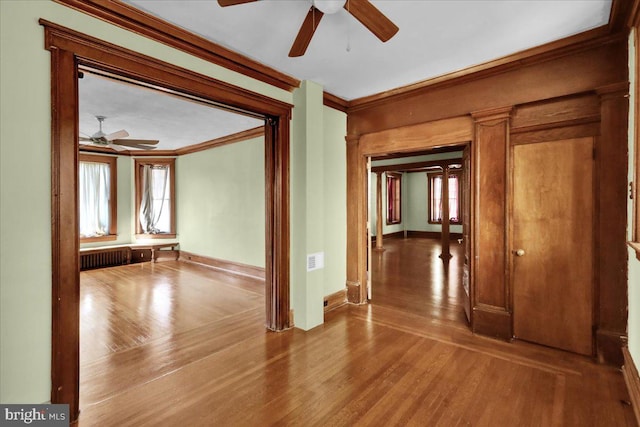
553	226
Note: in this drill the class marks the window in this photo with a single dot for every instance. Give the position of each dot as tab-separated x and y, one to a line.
97	178
394	181
435	197
155	201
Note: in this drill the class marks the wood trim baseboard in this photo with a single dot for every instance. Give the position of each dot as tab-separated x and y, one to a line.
395	234
224	265
631	378
432	234
335	300
492	321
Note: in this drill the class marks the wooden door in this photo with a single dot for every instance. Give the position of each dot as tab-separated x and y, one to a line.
552	246
466	230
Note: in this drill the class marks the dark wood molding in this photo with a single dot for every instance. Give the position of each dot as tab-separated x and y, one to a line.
568	46
224	265
70	49
621	13
115	59
202	146
431	234
394	235
609	346
335	300
632	380
408	167
354	293
611	261
222	141
634	15
65	239
335	102
147	25
492	321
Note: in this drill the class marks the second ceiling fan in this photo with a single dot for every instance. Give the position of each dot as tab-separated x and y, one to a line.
362	10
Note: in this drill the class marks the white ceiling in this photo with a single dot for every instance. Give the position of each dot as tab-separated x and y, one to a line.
436	37
151	114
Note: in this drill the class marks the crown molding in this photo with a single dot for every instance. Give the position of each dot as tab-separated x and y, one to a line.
578	43
335	102
147	25
206	145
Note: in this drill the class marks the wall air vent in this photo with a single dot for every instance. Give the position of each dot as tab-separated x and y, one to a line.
315	261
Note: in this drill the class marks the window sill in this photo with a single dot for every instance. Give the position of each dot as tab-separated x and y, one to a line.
636	247
156	236
107	238
440	223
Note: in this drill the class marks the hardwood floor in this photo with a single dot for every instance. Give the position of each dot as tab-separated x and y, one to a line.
409	275
195	353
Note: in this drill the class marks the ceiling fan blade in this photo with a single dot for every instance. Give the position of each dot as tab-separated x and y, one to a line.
82	138
121	147
105	146
117	135
225	3
372	18
132	142
305	34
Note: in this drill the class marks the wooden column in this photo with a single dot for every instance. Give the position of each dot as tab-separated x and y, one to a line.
356	217
379	223
445	234
491	297
611	163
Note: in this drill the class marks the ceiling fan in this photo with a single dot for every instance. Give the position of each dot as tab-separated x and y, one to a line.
115	140
362	10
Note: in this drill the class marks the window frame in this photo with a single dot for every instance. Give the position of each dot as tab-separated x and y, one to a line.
430	176
112	161
139	163
394	207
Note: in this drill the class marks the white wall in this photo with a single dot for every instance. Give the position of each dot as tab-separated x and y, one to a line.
220	202
25	192
634	265
126	209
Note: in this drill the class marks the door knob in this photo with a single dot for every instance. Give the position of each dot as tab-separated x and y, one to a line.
519	252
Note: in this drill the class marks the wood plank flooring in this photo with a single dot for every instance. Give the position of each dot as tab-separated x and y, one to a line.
197	354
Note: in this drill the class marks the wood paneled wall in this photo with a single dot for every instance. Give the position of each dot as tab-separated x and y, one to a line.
573	92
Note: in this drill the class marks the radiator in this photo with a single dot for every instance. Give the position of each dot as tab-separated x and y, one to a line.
104	258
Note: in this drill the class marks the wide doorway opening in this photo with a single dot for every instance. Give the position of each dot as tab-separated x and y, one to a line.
419	231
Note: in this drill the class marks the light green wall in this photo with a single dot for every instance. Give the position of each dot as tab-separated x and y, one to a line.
633	322
220	195
335	196
126	213
307	211
25	193
414	197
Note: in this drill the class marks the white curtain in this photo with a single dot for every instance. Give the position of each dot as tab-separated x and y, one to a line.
94	182
154	213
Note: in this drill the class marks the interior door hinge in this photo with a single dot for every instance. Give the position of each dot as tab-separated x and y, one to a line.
631	190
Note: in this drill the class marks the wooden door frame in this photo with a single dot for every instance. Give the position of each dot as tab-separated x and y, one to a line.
69	50
406	139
